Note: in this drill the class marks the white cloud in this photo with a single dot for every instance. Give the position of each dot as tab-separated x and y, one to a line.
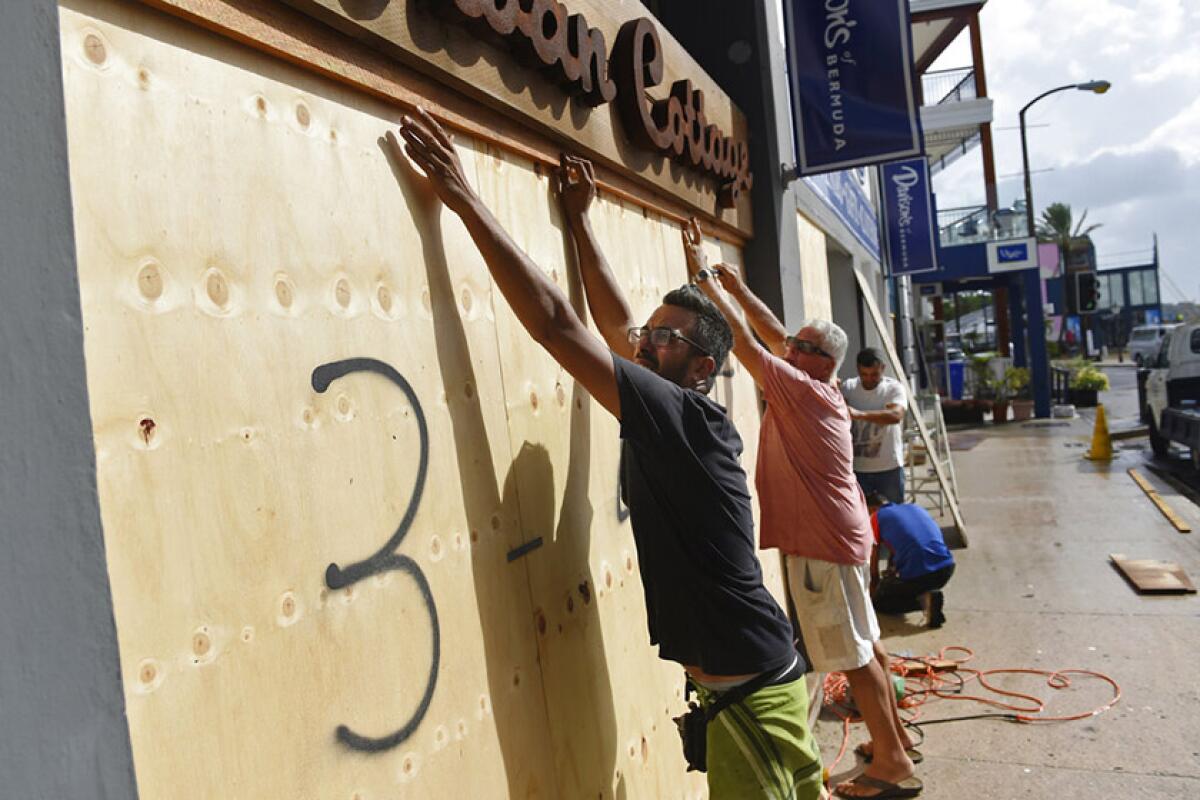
1184	64
1132	156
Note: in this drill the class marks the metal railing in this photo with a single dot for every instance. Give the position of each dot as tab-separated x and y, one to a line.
1060	385
960	149
949	86
972	224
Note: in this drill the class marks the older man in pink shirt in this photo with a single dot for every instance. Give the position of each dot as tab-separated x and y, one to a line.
814	511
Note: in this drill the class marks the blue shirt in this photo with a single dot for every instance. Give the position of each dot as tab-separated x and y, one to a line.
914	538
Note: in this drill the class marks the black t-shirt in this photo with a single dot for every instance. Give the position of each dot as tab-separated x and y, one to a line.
692	523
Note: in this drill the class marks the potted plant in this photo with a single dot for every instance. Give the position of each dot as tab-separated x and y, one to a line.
991	392
1019	389
998	389
1086	384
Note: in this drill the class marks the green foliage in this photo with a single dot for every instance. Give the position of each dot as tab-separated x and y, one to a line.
1058	226
1017	382
960	303
1089	379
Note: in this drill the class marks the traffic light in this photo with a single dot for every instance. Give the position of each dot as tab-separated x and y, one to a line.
1087	292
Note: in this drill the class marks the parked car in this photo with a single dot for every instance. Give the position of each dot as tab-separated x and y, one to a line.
1172	392
1144	342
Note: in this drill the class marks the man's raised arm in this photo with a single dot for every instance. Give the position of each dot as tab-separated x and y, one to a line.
536	301
765	323
577	189
747	350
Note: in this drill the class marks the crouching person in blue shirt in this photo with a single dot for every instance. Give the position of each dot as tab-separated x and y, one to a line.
685	488
919	566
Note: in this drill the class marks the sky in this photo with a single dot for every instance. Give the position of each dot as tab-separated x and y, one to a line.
1130	157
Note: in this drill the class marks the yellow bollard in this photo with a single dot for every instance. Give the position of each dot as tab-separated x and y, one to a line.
1101	449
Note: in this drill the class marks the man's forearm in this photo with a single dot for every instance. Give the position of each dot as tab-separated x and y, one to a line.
537	302
604	298
883	417
765	324
744	346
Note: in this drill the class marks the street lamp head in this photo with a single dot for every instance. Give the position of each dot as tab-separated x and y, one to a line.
1099	87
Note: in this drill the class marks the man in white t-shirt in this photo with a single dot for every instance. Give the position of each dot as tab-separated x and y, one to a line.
877	405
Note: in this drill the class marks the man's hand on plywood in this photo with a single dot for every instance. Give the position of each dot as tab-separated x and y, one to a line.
431	149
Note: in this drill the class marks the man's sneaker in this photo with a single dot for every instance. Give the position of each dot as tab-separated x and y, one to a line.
932	603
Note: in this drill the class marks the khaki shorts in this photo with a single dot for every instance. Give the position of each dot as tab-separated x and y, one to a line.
833	607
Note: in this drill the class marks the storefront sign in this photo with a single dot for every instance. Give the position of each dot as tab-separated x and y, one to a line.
851	71
546	34
1012	255
908	217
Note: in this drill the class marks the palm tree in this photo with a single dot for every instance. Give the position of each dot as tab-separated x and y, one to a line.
1056	226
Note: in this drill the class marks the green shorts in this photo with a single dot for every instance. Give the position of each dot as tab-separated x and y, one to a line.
761	747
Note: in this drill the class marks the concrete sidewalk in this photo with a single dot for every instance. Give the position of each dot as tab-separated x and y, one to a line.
1035	589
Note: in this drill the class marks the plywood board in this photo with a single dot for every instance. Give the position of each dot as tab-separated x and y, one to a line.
1176	521
609	699
296	358
237	229
1153	577
814	270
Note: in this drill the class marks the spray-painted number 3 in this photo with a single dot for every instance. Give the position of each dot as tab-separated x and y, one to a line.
387	559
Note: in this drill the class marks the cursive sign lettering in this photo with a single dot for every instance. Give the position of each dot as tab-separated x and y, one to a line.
545	34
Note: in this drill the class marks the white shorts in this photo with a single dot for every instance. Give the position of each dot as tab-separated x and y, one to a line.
833	607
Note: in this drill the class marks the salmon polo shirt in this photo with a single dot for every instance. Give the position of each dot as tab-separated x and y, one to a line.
811	503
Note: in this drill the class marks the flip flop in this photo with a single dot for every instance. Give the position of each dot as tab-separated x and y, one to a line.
909	787
914	755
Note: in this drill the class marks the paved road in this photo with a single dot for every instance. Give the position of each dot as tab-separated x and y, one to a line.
1120	402
1121	409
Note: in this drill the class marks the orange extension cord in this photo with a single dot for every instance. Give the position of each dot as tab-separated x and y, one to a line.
922	681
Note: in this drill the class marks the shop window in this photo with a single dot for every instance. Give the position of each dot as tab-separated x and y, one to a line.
1116	290
1149	287
1135	289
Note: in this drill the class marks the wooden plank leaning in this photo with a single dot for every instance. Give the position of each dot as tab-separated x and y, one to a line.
885	334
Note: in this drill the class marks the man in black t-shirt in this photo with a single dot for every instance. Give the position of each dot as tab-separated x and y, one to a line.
687	494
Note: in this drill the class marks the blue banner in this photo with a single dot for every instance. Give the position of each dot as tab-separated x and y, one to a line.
847	195
851	70
908	217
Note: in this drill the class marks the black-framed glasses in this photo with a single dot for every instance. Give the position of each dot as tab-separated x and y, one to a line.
661	337
805	347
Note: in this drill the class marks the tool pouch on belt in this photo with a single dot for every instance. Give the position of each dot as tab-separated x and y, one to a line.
693	724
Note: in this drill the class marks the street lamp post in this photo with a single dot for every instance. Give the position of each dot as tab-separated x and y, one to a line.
1036	348
1098	87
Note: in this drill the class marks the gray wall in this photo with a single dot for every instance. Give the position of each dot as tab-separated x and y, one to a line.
62	712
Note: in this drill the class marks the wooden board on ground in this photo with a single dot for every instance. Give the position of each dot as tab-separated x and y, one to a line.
1148	576
1168	512
885	334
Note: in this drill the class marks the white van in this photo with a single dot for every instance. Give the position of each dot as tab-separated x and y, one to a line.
1172	409
1144	342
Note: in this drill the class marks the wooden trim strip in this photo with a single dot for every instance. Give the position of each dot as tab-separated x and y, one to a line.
1156	498
285	33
